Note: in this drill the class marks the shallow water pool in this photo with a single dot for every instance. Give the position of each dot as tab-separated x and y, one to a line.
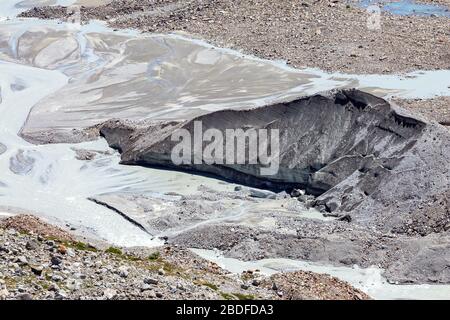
409	7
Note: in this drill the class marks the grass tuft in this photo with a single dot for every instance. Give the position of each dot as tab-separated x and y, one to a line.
244	297
154	256
114	250
227	296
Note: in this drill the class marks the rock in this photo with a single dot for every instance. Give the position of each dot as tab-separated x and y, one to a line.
346	218
161	272
151	281
123	272
4	293
70	252
274	286
145	287
85	155
332	206
283	195
22	261
262	194
109	293
79	275
37	270
99	264
57	278
61	295
173	289
32	245
21	288
53	287
62	249
55	261
24	296
306	199
4	249
181	287
50	243
256	282
72	284
297	193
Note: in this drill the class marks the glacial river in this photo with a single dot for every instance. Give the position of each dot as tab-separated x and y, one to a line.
58	77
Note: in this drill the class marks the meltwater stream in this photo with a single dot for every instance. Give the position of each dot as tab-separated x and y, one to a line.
57	77
48	179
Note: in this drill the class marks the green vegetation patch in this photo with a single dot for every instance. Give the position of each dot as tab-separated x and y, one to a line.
154	256
114	250
227	296
241	296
